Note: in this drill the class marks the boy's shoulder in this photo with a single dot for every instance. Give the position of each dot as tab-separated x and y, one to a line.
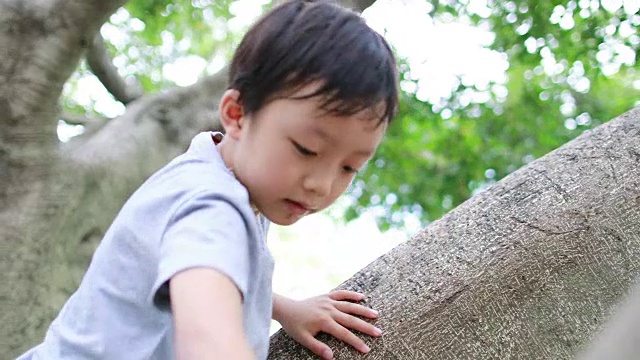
198	173
200	168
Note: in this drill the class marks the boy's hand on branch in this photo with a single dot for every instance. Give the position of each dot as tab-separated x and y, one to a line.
332	313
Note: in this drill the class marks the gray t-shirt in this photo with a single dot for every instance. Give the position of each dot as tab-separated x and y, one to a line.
191	213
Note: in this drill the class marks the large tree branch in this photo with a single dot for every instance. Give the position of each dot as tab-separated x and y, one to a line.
91	124
166	120
102	67
528	269
75	119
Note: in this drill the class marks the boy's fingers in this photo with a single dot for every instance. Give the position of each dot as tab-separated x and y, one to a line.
317	347
352	322
343	334
346	295
356	309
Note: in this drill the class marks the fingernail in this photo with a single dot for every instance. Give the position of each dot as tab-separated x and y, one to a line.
377	331
366	349
327	354
374	313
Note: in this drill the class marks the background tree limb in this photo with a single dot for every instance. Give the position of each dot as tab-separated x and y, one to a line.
102	67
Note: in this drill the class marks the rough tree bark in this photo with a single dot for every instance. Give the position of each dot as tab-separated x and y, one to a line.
56	200
528	269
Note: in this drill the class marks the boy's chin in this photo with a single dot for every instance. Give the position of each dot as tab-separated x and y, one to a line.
283	220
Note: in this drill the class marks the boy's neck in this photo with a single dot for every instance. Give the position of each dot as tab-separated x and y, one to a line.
225	148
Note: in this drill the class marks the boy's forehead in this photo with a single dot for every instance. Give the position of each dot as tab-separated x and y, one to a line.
370	118
328	129
327	103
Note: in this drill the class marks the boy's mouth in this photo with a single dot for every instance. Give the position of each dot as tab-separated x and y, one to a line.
297	207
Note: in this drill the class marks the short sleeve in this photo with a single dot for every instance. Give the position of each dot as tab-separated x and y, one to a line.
207	231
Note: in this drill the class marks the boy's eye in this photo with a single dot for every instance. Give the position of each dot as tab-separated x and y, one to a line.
349	169
303	150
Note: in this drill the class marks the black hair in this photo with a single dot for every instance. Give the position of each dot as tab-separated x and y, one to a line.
302	42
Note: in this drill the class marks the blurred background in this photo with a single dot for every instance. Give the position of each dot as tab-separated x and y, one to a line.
487	86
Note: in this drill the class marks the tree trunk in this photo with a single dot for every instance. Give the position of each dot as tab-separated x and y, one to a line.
40	45
528	269
56	200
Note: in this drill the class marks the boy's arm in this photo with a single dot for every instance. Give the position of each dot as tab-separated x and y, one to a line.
207	314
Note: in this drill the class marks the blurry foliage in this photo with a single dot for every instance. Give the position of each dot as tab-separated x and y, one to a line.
572	66
160	31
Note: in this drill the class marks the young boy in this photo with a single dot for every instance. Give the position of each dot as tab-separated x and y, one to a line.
184	270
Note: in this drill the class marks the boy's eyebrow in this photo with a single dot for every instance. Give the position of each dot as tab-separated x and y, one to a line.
318	131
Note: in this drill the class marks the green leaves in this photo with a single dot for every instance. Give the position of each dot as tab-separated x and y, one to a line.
570	69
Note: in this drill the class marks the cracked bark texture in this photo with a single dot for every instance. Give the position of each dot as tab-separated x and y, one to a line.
531	268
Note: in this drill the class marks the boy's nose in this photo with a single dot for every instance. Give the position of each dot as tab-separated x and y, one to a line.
319	182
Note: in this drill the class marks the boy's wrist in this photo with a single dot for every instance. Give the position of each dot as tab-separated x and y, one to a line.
279	305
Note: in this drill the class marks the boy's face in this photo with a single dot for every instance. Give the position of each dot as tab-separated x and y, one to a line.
295	159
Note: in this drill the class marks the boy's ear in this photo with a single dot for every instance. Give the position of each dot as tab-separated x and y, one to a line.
231	113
